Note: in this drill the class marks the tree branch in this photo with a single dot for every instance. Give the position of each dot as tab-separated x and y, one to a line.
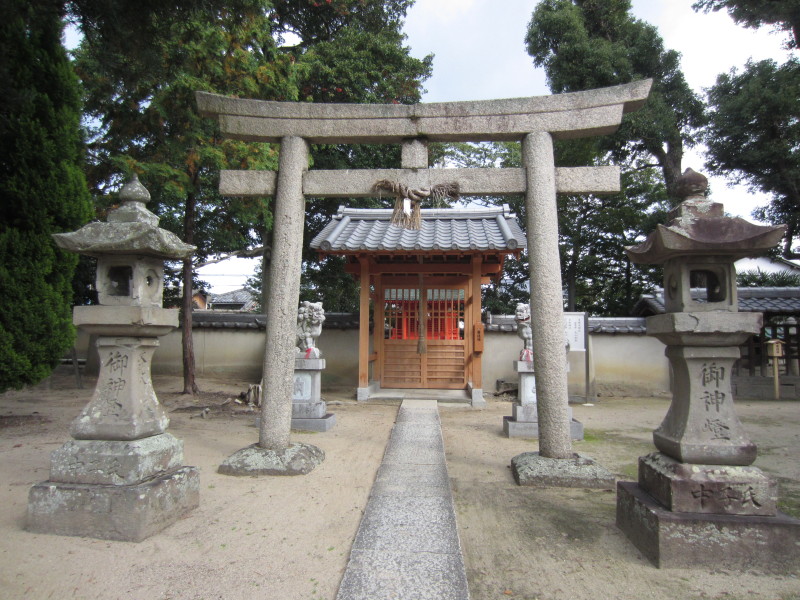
787	253
247	253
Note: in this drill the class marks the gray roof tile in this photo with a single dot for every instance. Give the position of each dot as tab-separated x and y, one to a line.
606	325
775	300
476	229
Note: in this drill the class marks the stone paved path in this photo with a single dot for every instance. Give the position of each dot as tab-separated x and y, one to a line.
407	545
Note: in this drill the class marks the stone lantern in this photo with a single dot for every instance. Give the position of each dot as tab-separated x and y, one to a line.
698	502
121	477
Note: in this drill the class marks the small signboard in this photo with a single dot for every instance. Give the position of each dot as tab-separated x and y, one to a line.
575	328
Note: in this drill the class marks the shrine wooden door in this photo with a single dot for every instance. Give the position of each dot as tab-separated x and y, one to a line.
441	362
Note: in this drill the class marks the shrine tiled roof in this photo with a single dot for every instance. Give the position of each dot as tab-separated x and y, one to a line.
773	300
450	229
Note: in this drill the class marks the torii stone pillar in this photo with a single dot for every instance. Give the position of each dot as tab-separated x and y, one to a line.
533	121
547	312
274	454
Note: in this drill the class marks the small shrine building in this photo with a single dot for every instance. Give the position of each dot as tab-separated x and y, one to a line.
426	280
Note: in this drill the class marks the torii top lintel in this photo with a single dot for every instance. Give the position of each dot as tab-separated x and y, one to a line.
570	115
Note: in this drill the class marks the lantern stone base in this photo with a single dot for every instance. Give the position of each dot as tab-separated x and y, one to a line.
128	513
680	539
296	459
531	469
108	462
711	489
114	490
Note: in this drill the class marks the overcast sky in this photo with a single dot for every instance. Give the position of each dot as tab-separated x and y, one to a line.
480	54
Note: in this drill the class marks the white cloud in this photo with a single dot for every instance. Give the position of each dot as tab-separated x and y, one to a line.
710	43
479	49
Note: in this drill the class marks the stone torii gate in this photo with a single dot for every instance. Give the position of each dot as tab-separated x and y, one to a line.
535	122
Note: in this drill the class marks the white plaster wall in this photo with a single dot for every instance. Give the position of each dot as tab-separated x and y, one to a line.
234	353
339	348
500	350
240	352
631	365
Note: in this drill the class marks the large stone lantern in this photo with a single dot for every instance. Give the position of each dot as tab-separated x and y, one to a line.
698	502
121	477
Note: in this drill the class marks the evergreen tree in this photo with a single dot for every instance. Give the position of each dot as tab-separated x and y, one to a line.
593	232
141	95
42	191
759	278
146	122
784	15
585	44
753	137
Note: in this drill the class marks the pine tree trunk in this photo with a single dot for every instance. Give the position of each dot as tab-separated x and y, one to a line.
671	168
571	274
189	383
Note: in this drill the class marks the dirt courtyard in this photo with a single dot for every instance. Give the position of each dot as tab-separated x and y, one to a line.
289	538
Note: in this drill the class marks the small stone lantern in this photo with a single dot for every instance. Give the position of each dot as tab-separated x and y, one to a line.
121	477
698	501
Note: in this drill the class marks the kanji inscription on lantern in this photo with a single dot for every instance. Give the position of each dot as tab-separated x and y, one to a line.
711	373
703	494
117	361
115	368
115	385
718	429
730	496
713	399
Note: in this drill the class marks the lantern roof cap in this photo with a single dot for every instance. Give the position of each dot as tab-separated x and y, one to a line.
130	229
699	227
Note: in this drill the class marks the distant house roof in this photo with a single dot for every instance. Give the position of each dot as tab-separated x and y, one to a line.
767	264
466	230
771	300
240	299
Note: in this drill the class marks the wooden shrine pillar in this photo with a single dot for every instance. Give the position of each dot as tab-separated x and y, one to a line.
362	393
378	320
476	328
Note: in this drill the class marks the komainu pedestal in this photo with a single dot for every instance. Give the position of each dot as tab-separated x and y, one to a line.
699	502
524	419
309	411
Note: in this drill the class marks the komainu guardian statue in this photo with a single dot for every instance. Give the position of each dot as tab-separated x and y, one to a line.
310	317
522	316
